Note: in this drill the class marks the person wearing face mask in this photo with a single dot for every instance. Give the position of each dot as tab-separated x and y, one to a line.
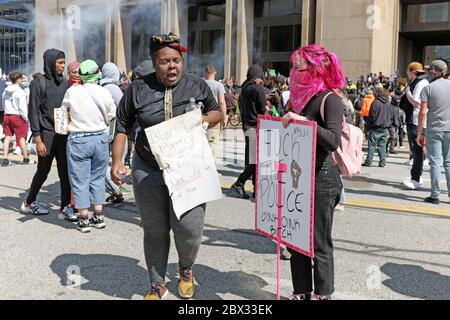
252	102
16	117
317	75
435	110
151	100
410	103
46	94
74	73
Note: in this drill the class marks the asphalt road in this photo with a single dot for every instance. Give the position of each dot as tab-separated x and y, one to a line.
382	250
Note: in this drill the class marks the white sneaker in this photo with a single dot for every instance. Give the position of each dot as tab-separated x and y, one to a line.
17	151
33	208
409	162
68	214
412	184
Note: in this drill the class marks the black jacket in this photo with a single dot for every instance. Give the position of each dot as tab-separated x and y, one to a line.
46	94
252	100
143	101
405	105
381	114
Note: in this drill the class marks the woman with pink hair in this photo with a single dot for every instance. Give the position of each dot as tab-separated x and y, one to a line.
317	75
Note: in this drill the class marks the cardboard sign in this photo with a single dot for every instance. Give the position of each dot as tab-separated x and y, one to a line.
294	147
183	153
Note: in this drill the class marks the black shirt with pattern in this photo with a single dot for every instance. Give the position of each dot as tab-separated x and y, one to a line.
143	101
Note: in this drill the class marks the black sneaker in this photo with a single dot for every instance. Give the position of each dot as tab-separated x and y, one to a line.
5	163
26	161
365	164
239	189
432	200
83	226
97	222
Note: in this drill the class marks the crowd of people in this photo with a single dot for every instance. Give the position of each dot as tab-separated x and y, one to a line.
108	110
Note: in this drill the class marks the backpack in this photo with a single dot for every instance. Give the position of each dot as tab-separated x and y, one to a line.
349	156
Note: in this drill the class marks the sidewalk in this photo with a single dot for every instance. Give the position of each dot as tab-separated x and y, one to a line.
375	188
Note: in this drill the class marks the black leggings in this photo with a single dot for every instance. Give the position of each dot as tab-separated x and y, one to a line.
56	148
327	196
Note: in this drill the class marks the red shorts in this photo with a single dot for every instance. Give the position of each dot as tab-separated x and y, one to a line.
13	124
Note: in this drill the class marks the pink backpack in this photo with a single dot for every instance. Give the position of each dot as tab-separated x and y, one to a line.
349	156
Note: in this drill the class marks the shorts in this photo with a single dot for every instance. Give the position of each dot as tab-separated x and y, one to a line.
13	124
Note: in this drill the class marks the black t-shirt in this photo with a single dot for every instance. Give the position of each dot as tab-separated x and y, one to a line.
143	101
328	131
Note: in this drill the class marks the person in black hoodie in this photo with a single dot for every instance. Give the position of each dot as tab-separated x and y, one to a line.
46	94
252	102
379	121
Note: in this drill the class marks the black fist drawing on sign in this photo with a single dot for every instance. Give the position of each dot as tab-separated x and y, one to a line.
296	172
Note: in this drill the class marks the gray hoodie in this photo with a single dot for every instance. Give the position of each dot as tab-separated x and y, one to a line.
110	81
14	100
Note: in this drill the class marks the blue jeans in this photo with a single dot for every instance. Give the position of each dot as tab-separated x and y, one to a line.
87	159
377	139
438	147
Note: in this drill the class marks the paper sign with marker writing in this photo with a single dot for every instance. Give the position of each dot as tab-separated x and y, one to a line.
183	153
294	146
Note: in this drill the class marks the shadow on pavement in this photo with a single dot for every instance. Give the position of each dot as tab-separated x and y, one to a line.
239	239
376	250
115	276
414	281
212	282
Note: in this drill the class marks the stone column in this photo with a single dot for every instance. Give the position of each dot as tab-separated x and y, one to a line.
48	19
228	38
108	35
244	54
119	48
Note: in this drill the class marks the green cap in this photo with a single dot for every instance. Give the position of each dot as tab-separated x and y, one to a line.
89	71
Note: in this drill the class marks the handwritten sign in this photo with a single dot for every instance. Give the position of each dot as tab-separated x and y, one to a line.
294	147
183	153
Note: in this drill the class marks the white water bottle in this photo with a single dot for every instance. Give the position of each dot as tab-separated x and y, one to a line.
192	105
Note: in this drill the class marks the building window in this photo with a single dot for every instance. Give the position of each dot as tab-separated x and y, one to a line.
13	41
436	53
428	13
277	33
206	37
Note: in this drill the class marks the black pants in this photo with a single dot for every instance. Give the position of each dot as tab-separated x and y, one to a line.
56	148
250	169
327	196
401	136
417	153
392	139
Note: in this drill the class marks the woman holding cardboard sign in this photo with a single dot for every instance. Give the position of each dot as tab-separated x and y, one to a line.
315	78
151	100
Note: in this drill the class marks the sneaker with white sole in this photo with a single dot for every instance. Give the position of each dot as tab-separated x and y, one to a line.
412	184
97	222
83	226
33	208
69	214
409	162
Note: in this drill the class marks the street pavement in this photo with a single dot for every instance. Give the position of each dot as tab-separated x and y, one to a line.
389	244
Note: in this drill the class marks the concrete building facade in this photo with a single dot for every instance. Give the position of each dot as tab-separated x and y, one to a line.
368	35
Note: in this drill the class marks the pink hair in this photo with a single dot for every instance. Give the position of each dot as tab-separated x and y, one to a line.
323	65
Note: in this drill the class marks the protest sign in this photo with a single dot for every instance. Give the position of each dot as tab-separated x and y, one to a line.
294	147
183	153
